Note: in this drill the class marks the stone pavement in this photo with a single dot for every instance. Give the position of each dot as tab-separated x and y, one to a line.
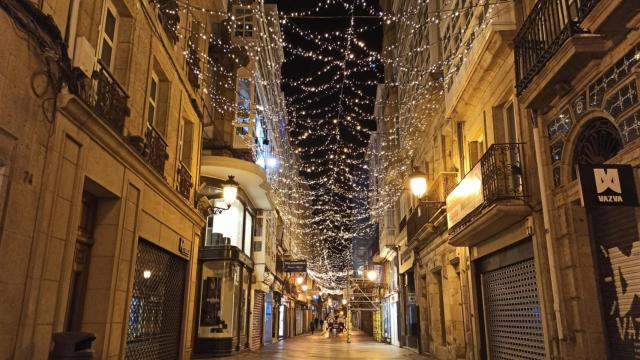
317	346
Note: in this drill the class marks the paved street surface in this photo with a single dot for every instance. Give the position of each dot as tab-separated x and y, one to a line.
316	346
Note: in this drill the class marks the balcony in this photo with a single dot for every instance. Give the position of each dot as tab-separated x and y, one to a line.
185	182
168	15
155	153
490	198
427	217
554	44
105	97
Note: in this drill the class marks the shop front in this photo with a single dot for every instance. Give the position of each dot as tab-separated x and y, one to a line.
488	213
410	315
390	319
224	277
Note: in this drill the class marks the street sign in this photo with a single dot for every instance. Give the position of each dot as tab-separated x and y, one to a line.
294	266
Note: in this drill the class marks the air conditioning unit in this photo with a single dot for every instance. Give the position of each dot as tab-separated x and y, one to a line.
84	57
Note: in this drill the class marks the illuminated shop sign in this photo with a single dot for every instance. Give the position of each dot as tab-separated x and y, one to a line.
607	185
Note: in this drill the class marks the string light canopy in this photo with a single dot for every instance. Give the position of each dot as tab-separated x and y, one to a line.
333	68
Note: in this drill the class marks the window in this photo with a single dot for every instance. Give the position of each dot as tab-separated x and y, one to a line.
227	227
244	22
157	100
108	36
152	111
460	141
220	284
243	111
186	143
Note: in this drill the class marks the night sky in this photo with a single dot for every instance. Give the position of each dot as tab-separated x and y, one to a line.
338	116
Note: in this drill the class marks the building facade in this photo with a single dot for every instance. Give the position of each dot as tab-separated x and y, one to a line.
243	302
504	235
100	151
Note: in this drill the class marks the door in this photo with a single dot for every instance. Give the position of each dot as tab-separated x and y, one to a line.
615	231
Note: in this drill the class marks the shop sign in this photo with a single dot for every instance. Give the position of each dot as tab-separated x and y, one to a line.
183	248
406	260
466	197
411	298
295	266
607	185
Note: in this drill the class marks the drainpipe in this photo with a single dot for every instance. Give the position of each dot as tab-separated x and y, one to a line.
544	197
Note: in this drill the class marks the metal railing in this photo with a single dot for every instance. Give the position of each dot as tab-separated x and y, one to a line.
549	24
502	174
184	182
105	96
156	150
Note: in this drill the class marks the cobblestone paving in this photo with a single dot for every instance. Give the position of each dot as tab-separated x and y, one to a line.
362	347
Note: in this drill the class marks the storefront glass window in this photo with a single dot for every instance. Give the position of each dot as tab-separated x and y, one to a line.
227	224
217	307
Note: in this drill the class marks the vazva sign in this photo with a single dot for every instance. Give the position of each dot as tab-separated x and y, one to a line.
607	185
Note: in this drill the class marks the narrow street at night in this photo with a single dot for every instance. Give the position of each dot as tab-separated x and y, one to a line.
320	179
320	346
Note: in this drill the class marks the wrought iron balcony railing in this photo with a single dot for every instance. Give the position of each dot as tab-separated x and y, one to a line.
549	24
501	179
502	172
155	150
185	182
106	98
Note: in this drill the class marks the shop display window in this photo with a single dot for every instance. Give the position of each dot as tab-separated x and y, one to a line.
220	284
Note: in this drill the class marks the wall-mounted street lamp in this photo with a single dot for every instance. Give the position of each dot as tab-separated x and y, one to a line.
299	280
418	183
372	275
229	194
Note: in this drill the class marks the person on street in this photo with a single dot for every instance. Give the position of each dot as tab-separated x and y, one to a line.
312	326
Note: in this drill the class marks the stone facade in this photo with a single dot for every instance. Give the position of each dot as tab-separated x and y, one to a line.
62	148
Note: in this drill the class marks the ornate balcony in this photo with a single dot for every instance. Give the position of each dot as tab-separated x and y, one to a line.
105	97
155	153
490	198
427	217
185	182
546	33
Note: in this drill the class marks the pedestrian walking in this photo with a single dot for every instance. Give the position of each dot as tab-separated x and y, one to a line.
312	326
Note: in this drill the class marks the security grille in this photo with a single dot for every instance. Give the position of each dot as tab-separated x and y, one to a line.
512	311
155	317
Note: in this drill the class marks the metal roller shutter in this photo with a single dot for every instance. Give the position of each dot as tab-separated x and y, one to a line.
155	314
257	320
618	252
512	312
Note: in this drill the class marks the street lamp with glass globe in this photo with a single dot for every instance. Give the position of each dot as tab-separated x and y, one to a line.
418	183
372	275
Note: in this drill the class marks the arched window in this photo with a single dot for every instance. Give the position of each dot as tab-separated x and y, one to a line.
599	141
